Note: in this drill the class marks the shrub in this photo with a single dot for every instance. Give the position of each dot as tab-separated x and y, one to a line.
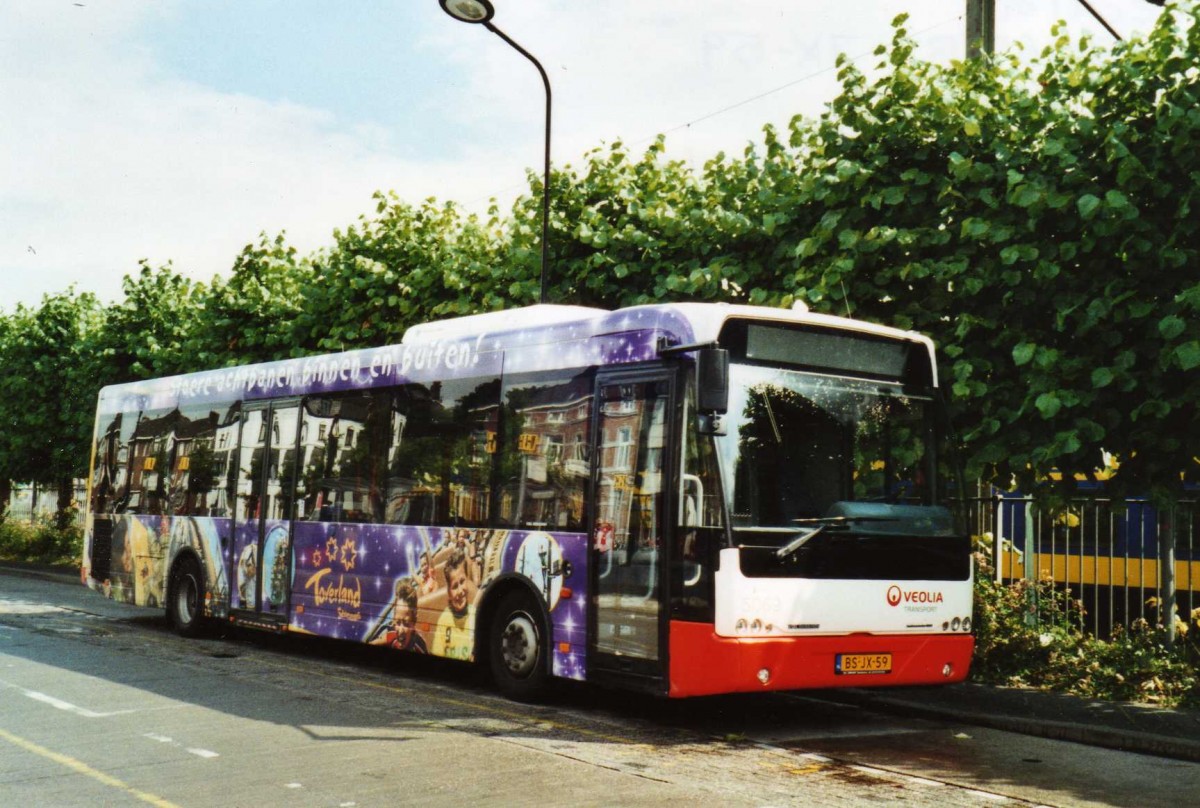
40	543
1027	634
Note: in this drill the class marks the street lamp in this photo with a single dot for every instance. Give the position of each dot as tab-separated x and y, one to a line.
480	12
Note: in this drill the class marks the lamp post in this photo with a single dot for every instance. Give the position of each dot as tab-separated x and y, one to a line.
480	12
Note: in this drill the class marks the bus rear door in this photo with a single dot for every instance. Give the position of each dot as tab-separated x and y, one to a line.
265	504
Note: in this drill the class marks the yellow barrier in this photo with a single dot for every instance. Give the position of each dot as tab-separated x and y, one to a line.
1101	570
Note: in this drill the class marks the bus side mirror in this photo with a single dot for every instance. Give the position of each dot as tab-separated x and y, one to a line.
712	389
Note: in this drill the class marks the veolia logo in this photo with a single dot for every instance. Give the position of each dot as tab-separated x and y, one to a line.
896	595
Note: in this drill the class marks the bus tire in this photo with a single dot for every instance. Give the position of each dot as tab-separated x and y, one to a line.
518	647
185	597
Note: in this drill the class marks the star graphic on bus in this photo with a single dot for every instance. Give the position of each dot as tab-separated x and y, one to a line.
349	554
331	549
316	558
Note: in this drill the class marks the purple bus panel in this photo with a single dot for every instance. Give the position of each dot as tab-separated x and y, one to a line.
417	588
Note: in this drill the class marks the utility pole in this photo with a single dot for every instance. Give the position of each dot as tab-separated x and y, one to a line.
981	28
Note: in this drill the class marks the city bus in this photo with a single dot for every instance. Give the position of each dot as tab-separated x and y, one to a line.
682	499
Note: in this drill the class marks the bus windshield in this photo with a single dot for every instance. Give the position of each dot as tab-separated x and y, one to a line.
803	448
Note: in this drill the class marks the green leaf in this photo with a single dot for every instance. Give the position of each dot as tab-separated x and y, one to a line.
1116	200
1023	353
1171	326
1088	204
1188	355
1069	442
1102	377
1048	404
1026	196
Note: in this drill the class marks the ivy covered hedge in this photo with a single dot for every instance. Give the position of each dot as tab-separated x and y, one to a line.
1035	215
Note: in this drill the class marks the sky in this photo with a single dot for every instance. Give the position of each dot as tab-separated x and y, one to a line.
179	130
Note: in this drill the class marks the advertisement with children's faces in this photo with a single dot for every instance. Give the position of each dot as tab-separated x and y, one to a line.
417	589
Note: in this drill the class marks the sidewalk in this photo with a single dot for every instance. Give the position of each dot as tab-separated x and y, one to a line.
1115	725
49	572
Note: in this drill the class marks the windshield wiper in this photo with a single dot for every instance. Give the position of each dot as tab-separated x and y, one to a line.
821	523
798	542
843	520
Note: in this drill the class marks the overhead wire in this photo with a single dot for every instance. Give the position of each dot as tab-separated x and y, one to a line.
738	104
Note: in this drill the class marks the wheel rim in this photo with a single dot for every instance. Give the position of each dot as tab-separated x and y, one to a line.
519	645
187	599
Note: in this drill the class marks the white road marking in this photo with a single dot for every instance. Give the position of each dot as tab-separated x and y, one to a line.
66	706
207	754
27	607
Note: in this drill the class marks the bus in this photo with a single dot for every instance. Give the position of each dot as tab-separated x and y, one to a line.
684	499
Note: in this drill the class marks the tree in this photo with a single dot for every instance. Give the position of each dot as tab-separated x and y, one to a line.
146	333
252	316
49	405
1036	219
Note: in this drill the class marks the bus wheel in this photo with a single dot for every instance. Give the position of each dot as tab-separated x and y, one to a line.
518	648
184	598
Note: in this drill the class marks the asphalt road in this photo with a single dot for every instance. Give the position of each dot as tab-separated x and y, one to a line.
101	704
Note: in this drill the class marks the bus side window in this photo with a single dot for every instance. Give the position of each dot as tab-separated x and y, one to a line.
344	441
196	470
544	467
141	460
440	459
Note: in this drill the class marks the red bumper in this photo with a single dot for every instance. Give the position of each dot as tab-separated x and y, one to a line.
704	664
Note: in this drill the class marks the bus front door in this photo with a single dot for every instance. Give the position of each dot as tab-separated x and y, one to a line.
266	481
630	492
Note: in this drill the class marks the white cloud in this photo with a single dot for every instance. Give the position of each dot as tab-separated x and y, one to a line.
113	162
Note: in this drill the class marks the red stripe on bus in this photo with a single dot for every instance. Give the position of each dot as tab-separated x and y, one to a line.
704	664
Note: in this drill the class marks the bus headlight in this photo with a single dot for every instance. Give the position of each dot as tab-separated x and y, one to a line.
955	623
966	624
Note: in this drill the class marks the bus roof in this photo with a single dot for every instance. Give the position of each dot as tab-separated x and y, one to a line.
542	337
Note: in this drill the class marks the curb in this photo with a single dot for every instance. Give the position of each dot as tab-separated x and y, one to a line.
45	572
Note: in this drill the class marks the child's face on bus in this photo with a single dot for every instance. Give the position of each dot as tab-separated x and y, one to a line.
457	584
404	621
